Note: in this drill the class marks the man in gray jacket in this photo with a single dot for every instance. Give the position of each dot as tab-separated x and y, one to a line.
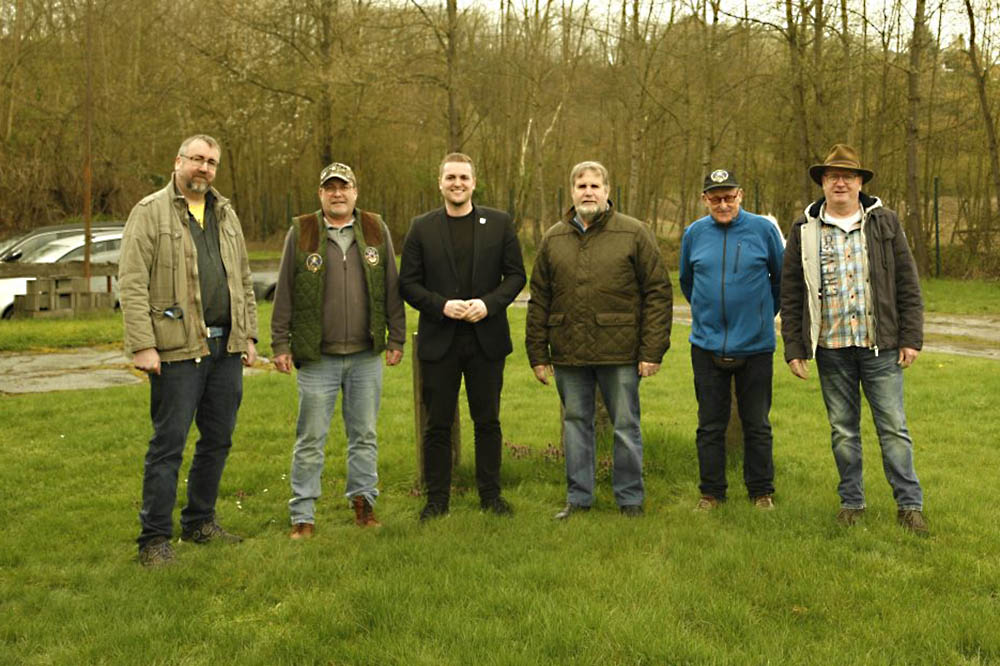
190	317
337	296
599	315
850	297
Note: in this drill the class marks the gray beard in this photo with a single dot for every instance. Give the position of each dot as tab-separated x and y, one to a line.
200	187
591	212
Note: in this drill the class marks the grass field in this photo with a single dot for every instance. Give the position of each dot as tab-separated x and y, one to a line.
733	587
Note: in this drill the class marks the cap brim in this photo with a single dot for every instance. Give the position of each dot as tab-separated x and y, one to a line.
720	186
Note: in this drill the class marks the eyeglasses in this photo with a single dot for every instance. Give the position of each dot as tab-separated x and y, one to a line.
845	177
726	198
200	160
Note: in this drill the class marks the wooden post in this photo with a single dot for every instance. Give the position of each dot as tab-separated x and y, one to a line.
420	418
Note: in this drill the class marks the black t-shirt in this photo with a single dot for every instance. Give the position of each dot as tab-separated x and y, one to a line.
462	245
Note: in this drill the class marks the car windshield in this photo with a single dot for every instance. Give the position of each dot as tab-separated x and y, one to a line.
29	246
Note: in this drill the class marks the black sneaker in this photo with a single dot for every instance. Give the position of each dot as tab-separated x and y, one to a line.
157	552
433	510
210	531
497	505
632	510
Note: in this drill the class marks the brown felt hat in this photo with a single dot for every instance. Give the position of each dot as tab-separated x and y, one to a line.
841	156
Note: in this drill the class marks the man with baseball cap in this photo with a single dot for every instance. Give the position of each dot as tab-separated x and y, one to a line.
337	298
850	297
730	273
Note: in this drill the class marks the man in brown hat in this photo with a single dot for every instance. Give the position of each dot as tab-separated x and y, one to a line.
336	308
850	297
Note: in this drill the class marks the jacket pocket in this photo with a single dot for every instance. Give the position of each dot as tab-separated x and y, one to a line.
556	319
615	318
170	333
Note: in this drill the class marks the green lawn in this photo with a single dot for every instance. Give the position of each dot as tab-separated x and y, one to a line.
733	587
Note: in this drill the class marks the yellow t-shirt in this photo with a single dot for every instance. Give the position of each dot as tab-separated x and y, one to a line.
198	211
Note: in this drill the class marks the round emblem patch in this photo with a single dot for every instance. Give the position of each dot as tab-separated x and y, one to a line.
371	256
314	262
719	176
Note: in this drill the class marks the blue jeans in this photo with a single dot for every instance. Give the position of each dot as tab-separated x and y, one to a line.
620	388
753	399
359	377
207	392
841	372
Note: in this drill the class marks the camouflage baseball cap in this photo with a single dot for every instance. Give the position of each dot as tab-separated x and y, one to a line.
337	170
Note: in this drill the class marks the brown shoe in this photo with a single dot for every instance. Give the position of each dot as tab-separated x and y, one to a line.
706	503
364	514
302	531
764	503
848	517
913	520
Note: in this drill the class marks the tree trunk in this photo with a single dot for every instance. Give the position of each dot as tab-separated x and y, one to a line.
980	74
913	212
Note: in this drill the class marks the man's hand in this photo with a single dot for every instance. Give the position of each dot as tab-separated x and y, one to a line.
648	369
283	363
907	355
250	356
393	356
147	360
799	368
476	310
542	373
455	309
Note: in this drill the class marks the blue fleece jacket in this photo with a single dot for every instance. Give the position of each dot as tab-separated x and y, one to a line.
731	275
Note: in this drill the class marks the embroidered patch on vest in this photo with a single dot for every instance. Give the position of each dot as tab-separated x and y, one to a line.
314	262
371	256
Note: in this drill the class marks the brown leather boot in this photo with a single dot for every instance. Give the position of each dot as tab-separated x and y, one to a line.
364	515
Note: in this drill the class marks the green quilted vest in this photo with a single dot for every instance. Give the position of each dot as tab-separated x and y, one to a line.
310	281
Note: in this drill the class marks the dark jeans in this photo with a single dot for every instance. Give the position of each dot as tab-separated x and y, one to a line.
753	399
207	392
483	382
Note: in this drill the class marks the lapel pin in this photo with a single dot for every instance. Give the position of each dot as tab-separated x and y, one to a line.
482	220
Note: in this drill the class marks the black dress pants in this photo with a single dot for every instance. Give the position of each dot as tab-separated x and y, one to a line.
483	383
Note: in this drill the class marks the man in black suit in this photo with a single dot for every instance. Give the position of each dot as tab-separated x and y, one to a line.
461	268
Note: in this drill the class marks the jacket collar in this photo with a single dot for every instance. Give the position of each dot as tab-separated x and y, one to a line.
599	221
868	204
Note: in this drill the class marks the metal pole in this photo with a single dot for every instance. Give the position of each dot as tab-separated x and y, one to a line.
937	228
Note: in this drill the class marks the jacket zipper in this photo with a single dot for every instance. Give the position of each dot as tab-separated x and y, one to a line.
725	325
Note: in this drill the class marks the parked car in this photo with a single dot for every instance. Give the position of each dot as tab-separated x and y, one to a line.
264	283
104	247
16	248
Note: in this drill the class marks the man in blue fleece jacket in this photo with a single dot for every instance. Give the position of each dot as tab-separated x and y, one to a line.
730	273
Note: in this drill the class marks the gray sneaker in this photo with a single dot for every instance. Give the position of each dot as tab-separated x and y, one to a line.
848	517
210	531
913	520
156	553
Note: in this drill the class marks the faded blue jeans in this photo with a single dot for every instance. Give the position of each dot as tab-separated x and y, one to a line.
841	373
619	386
359	377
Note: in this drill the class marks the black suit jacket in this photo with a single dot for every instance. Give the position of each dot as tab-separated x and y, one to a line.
428	278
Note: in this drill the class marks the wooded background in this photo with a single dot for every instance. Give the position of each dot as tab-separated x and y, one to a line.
659	91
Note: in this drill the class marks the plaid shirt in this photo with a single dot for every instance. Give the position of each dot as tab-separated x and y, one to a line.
843	294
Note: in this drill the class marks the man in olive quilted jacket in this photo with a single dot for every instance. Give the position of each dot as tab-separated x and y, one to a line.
599	315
